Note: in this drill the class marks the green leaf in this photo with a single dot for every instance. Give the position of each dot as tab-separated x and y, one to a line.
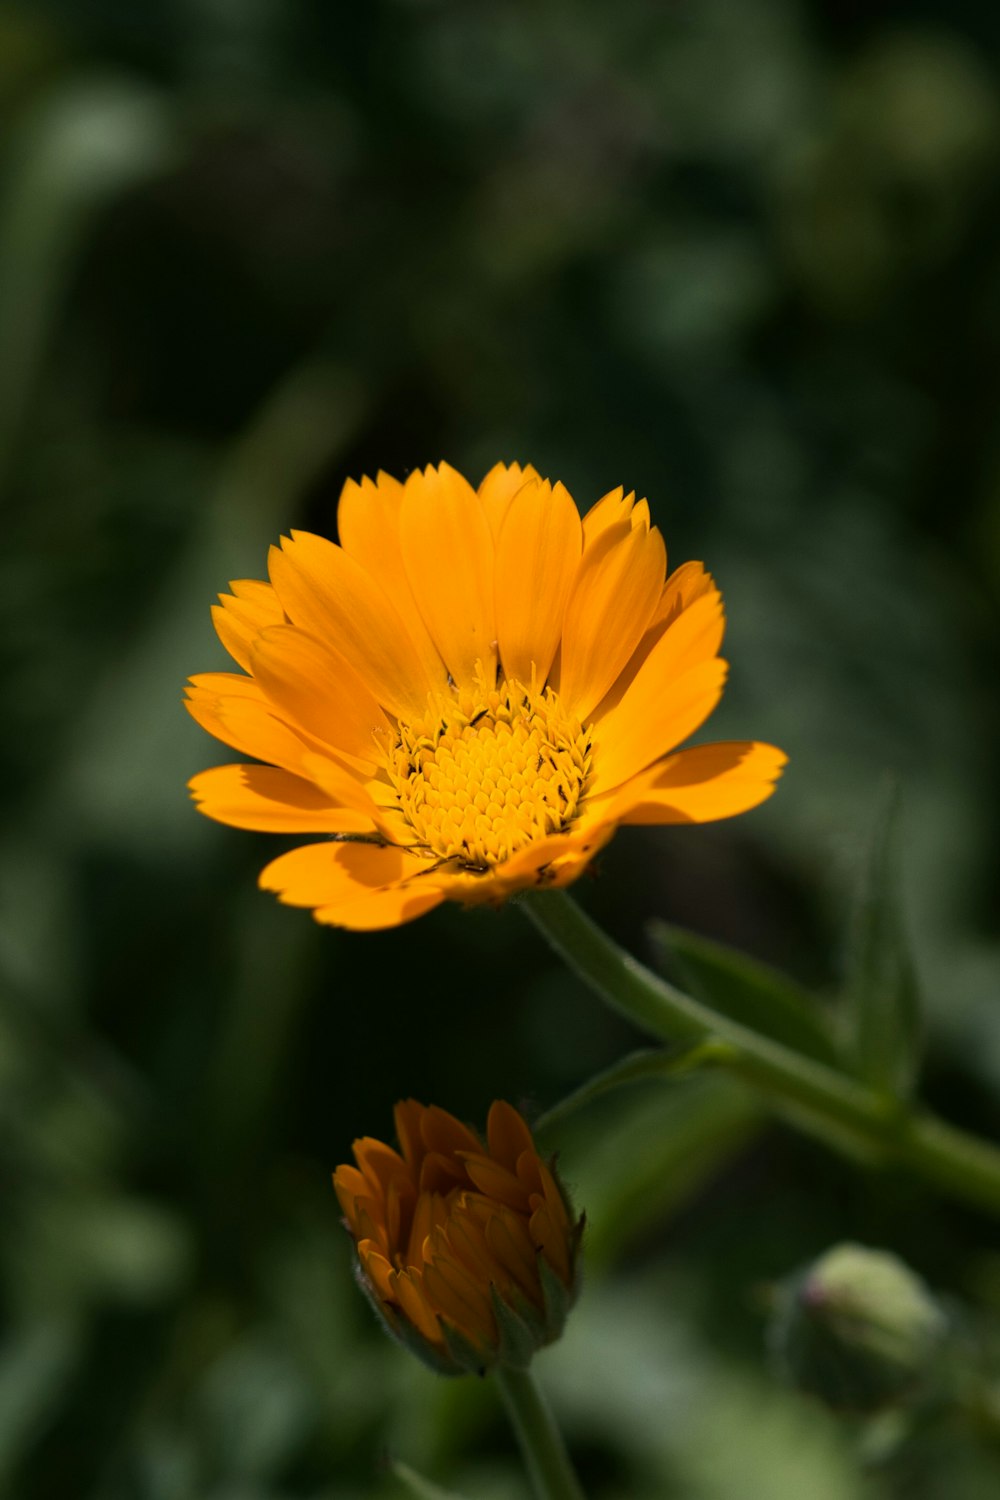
744	990
881	984
636	1067
416	1485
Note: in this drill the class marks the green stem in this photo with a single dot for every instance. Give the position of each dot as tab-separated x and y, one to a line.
538	1436
957	1163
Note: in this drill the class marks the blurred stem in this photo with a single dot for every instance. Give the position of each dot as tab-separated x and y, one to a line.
957	1163
538	1436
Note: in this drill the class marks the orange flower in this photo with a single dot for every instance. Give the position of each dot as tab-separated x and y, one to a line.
467	695
468	1253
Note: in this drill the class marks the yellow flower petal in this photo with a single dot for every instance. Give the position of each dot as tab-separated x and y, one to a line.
368	525
455	1295
548	855
234	710
315	688
330	595
545	862
271	800
682	633
653	717
684	585
376	1268
499	488
408	1289
611	510
346	787
440	1131
335	874
616	591
472	1250
551	1241
448	553
380	1164
440	1173
538	554
407	1116
392	907
703	784
514	1252
429	1211
553	1197
496	1182
349	1186
252	606
507	1134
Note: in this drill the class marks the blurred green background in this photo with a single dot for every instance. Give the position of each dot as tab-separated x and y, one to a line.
740	255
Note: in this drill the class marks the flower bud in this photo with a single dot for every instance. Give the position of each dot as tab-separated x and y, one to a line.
858	1329
468	1253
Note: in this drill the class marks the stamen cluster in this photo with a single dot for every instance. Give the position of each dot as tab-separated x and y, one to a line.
487	771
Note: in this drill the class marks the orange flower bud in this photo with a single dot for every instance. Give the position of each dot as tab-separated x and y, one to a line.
468	1253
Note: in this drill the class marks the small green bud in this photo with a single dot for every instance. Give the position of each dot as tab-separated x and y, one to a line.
858	1329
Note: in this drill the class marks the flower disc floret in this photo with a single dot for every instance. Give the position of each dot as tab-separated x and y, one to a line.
467	695
484	772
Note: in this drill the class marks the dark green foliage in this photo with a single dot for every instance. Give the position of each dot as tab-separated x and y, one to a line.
882	990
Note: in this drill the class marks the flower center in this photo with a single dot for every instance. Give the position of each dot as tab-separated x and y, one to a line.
487	770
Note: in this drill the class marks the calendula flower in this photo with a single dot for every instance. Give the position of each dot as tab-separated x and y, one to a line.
467	695
467	1252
